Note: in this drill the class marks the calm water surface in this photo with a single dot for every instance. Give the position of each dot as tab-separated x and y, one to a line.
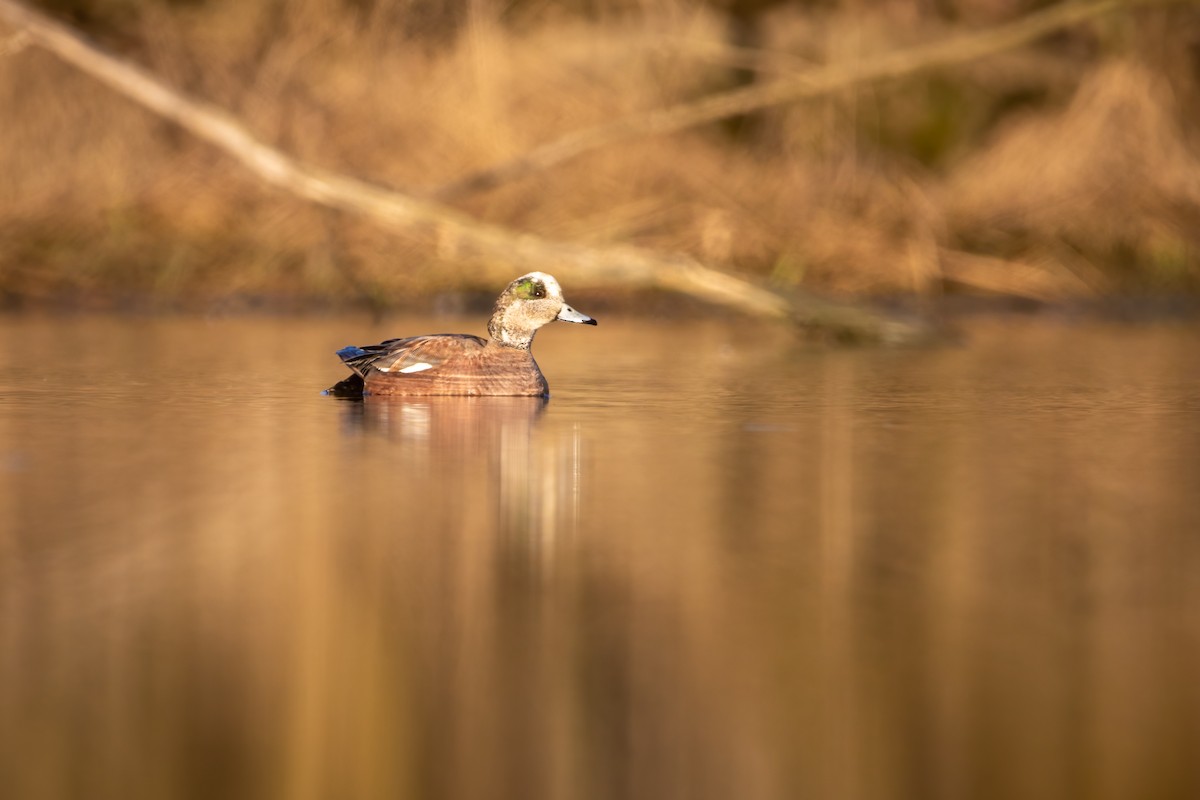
717	564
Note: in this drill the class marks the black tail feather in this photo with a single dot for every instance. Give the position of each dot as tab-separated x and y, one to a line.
349	387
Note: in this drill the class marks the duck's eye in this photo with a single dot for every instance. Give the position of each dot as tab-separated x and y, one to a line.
539	291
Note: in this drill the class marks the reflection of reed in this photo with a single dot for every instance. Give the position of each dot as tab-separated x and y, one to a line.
539	489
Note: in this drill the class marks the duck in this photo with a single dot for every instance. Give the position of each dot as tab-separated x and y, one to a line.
462	364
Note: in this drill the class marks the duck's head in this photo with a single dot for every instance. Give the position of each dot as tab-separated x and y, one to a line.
527	304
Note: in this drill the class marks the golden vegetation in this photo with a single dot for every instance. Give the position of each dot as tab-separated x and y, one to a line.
1064	168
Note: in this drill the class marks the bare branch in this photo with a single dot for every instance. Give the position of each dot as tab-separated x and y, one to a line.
495	250
14	44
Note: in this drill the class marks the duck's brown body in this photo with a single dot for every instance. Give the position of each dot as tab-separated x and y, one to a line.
478	368
460	364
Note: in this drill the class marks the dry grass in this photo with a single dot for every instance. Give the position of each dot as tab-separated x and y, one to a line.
1110	179
1061	170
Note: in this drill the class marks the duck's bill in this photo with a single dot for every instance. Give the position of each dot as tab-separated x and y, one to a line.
569	314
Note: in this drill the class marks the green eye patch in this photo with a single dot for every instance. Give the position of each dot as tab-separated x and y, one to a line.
530	289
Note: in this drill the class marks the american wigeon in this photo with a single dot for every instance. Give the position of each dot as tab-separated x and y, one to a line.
461	364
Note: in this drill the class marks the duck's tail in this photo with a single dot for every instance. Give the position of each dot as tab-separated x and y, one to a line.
352	386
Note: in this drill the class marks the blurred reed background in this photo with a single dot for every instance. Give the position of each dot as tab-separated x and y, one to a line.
1056	170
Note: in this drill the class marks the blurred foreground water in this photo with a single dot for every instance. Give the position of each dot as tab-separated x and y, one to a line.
716	564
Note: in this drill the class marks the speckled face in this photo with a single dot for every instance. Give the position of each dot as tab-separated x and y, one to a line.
527	304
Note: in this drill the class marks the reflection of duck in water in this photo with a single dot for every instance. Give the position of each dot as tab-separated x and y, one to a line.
452	426
460	364
525	475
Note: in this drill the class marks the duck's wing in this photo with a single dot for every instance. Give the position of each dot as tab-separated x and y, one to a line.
415	354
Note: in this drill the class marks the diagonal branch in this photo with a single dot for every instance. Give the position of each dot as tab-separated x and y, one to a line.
812	83
495	250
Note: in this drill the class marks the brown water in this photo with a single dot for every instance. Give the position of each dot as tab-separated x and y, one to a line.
717	564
